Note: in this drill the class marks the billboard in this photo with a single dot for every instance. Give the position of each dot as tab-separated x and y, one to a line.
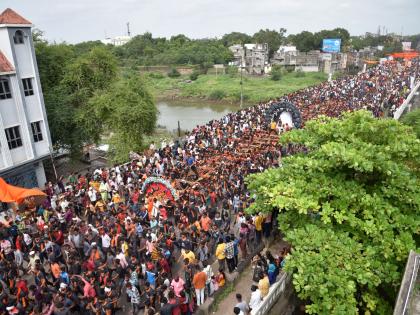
331	45
406	46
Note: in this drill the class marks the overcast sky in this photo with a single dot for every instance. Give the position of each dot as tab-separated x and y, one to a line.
80	20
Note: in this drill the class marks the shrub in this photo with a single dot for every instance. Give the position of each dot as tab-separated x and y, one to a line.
217	95
232	71
156	75
276	73
173	73
194	75
300	74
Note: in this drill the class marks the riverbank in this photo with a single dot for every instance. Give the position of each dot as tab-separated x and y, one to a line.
226	89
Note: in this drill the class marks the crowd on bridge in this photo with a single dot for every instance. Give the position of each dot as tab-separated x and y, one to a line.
99	243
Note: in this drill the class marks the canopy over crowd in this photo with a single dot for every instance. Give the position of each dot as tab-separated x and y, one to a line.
100	243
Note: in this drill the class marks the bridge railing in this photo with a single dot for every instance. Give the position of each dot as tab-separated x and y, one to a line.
273	295
407	103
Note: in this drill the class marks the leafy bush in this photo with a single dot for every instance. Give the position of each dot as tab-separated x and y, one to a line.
156	75
173	73
217	95
232	71
194	75
276	73
300	74
412	119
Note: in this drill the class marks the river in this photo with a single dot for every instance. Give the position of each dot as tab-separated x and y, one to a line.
190	114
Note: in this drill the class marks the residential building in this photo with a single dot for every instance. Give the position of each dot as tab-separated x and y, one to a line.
256	58
117	40
252	57
25	140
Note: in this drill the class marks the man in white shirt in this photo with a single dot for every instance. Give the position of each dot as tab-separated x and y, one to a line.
106	243
255	299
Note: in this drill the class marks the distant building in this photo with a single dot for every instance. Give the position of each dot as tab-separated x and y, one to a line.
238	52
256	58
24	134
117	40
253	57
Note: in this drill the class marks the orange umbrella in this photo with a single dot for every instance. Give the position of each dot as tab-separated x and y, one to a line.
10	193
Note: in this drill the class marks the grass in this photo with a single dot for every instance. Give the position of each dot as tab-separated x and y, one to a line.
228	89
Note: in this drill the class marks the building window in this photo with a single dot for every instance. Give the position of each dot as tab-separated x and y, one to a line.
14	139
18	38
5	89
27	87
36	131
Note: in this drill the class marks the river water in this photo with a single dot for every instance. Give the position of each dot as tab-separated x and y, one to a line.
190	114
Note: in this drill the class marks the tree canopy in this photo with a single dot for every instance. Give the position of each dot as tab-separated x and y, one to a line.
413	119
127	111
349	205
306	41
86	98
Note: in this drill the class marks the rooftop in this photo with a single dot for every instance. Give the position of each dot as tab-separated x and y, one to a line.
5	65
9	16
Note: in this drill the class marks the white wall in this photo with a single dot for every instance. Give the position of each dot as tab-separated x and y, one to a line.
5	47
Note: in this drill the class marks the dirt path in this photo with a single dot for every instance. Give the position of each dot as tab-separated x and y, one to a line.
243	286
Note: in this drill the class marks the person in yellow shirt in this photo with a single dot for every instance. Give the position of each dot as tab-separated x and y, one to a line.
220	254
188	254
259	219
264	285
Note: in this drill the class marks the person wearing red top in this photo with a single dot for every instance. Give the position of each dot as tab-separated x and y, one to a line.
172	300
205	222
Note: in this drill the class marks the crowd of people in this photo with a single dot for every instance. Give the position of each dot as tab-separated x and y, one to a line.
99	244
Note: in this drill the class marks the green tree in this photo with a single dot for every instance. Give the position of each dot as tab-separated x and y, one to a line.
127	111
276	73
304	41
273	38
412	119
349	206
236	38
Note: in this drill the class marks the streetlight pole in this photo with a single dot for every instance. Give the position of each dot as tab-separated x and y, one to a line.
242	88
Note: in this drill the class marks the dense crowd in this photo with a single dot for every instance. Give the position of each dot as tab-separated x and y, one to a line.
99	243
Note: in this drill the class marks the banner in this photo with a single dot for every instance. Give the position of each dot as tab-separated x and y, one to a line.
331	45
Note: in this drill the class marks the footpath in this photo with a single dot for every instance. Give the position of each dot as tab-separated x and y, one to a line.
237	283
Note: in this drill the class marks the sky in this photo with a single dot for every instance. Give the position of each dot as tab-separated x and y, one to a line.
75	21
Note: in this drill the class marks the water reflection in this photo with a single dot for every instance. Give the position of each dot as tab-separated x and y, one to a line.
190	114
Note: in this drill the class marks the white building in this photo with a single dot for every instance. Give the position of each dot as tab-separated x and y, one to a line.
25	139
117	40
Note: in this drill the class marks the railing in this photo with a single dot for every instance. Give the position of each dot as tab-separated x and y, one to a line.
407	103
273	296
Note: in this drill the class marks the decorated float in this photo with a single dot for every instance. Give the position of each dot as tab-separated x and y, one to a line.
159	188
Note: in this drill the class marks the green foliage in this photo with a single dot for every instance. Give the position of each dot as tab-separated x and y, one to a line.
349	207
236	38
306	41
155	75
300	74
178	50
217	95
232	71
69	81
174	73
127	110
412	119
194	75
273	38
276	73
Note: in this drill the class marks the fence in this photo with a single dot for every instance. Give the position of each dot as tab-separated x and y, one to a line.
273	295
407	103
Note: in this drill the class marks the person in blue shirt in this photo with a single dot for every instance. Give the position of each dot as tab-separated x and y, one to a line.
151	278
